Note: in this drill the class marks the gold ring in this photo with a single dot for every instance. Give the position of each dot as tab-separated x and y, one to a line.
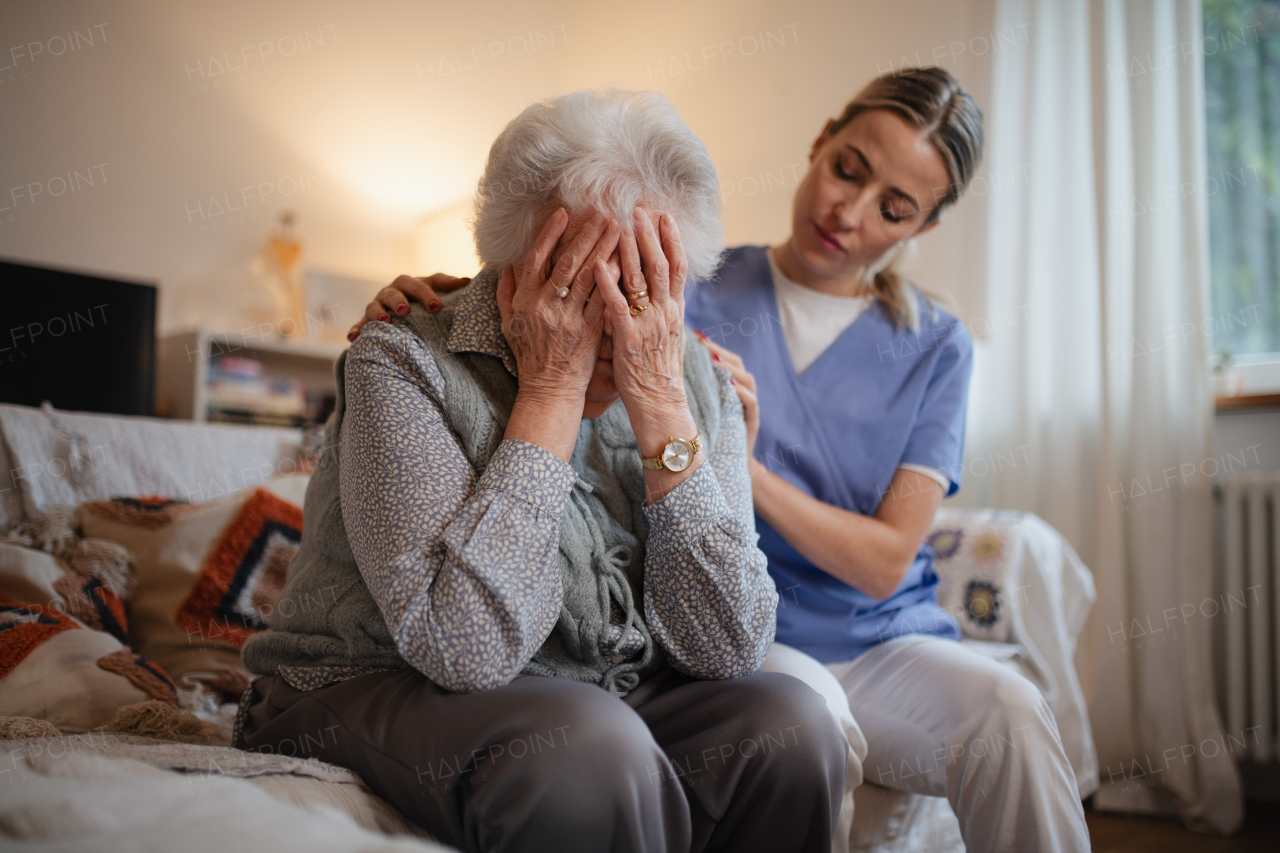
641	295
637	310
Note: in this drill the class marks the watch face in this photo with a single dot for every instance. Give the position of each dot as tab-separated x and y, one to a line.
677	455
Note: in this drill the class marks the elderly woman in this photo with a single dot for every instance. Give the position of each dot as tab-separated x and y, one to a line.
543	611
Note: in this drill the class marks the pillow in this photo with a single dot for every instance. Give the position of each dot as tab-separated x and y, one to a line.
63	657
55	669
205	575
35	577
973	551
29	575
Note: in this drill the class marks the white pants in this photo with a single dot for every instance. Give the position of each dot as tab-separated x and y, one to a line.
942	720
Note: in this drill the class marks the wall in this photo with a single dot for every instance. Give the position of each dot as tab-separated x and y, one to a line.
198	123
1248	434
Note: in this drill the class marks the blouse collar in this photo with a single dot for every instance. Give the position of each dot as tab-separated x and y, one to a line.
477	322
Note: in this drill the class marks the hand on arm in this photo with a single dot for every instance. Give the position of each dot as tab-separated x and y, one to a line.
744	382
394	298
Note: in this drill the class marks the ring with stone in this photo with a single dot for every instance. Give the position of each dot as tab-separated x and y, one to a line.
562	292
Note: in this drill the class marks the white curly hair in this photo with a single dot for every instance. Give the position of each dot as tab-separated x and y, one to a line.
606	150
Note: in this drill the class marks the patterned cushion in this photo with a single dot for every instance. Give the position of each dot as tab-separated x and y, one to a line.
142	673
23	626
61	656
973	551
204	574
151	513
63	680
243	575
93	604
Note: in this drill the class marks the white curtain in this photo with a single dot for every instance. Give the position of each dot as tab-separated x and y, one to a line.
1095	370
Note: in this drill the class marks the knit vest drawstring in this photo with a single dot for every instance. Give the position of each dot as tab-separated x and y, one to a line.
614	588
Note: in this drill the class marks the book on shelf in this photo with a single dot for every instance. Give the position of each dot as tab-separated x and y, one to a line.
238	390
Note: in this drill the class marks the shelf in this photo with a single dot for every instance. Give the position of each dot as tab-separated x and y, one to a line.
183	373
1246	401
234	342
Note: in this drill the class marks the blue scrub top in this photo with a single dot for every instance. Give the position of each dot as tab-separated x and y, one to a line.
879	396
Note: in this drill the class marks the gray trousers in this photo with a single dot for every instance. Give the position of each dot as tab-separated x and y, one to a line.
553	764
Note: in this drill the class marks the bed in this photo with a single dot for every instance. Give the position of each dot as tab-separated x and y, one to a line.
137	554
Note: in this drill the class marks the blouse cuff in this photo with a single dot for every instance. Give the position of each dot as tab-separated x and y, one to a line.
530	473
688	512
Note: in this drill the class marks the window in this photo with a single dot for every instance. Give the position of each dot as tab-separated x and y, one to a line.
1242	103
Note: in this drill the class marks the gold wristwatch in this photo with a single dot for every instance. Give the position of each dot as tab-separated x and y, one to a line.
676	456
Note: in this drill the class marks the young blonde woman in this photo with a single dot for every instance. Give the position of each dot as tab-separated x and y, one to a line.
854	386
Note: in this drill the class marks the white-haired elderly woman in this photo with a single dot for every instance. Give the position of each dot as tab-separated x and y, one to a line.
533	531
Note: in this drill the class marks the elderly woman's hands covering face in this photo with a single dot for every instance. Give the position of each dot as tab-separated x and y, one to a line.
556	341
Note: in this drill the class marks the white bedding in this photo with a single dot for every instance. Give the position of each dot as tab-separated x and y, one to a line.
68	458
108	792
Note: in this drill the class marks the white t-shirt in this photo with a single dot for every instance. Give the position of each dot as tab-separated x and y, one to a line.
811	322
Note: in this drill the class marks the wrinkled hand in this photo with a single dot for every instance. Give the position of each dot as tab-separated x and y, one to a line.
648	348
556	341
744	383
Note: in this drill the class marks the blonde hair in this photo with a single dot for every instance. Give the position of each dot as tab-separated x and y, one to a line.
935	103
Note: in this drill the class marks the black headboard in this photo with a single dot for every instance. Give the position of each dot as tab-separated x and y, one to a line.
82	342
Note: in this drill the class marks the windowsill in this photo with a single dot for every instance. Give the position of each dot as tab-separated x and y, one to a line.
1246	402
1251	382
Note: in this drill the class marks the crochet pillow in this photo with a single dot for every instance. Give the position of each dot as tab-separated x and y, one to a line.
973	550
205	575
56	667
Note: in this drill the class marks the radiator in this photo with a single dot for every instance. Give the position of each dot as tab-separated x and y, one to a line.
1251	522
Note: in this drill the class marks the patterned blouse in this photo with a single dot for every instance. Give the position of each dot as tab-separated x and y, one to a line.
466	569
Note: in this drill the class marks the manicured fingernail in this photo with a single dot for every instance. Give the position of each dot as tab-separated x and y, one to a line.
384	317
732	381
716	356
351	335
700	334
402	310
434	306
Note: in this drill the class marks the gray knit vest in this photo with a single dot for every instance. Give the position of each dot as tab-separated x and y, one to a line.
335	620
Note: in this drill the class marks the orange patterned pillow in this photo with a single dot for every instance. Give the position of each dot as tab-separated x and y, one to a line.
23	626
205	575
243	576
93	604
54	665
